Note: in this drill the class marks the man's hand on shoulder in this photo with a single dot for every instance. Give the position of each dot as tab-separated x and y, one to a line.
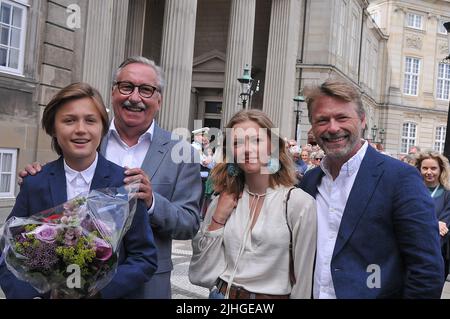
30	169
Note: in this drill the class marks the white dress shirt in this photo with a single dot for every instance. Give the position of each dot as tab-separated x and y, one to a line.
79	182
118	152
331	201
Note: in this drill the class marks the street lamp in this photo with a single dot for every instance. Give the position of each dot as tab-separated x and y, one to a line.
447	134
298	112
374	133
377	132
382	132
246	86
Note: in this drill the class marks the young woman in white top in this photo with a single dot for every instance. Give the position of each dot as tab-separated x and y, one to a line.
246	235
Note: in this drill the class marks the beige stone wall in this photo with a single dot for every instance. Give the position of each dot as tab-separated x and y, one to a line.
427	45
426	122
60	62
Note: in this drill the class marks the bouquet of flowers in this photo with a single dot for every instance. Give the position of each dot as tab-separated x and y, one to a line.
72	249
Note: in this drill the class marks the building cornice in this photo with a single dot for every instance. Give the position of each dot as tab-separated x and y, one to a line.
413	109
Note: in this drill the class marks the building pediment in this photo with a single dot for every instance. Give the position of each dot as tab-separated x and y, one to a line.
209	70
212	61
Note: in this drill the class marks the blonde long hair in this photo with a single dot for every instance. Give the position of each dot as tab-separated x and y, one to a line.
235	184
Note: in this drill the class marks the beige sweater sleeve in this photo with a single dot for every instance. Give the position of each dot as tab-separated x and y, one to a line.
208	259
302	215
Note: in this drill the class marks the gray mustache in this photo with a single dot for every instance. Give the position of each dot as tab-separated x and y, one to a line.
140	105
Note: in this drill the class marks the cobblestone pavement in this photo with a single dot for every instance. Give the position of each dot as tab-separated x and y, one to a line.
181	286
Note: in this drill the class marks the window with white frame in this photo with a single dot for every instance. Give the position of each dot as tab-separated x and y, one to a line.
443	81
441	28
414	20
342	27
411	82
354	37
408	136
12	36
439	140
374	64
8	162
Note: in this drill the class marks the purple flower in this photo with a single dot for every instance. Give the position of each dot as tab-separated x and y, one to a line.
46	233
103	250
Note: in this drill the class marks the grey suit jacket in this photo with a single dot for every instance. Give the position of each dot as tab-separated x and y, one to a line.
177	190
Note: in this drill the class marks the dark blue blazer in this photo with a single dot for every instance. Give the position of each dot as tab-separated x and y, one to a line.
442	207
137	255
389	221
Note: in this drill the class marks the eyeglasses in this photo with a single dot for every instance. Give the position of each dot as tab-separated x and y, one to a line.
145	90
318	158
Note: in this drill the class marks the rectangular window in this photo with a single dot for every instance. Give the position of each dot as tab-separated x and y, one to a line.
443	82
411	82
408	136
439	140
414	21
8	162
354	34
342	28
374	63
441	28
213	107
12	36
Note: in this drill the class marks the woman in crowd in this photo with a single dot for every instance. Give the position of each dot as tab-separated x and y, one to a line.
76	119
305	154
435	171
250	244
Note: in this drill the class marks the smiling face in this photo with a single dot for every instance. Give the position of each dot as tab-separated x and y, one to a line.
251	146
305	156
78	131
430	170
337	127
134	113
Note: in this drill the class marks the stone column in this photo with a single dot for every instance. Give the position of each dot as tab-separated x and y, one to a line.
279	85
176	61
239	53
135	28
120	35
105	43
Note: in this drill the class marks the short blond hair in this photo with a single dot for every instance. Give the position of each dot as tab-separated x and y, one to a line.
335	88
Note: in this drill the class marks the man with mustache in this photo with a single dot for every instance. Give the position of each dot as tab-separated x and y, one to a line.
171	190
378	236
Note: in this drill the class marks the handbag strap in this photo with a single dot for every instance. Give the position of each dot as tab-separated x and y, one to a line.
292	278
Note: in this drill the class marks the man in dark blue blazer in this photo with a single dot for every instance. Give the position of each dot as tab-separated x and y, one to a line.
137	256
378	236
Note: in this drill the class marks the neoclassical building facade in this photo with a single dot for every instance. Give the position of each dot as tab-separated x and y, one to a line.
414	108
389	49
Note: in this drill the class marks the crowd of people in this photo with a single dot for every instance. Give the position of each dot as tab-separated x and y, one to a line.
268	218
